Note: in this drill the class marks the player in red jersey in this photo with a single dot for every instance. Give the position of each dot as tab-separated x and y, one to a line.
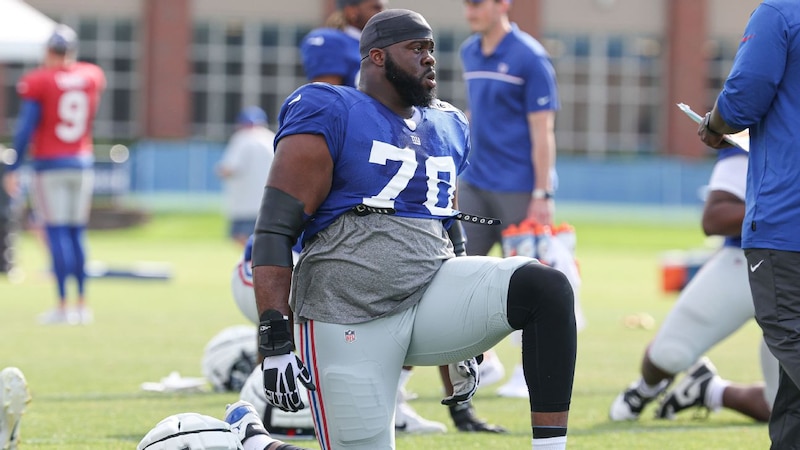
59	102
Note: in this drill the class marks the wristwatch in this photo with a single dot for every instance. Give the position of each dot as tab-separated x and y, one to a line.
707	125
542	194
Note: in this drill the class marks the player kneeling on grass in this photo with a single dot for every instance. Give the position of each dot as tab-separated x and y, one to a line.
715	303
367	178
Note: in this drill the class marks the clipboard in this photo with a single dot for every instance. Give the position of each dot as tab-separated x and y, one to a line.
740	139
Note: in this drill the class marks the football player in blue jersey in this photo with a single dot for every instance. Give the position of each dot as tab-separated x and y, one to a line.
367	178
716	303
330	53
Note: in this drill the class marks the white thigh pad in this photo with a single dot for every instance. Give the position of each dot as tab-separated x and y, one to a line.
356	406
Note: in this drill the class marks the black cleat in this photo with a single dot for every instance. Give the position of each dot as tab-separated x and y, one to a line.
691	392
464	418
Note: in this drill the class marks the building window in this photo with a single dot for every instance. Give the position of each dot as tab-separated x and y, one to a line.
610	89
611	86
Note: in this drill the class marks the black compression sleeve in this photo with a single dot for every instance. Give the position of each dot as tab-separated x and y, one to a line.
280	221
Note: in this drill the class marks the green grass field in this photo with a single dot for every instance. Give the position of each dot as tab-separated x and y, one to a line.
85	379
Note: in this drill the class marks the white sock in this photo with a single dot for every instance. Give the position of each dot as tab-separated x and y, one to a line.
516	338
651	391
405	374
553	443
716	388
257	442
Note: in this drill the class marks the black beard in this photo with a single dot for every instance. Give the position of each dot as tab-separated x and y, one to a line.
411	90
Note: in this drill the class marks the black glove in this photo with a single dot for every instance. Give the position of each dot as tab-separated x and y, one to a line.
282	368
281	374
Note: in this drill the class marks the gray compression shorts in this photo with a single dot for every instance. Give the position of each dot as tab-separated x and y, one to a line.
716	303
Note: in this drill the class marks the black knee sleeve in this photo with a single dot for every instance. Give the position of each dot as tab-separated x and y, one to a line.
535	290
541	304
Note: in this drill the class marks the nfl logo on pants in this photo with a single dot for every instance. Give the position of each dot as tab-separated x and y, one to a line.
349	336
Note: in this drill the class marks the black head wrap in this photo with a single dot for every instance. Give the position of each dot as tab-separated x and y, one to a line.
392	26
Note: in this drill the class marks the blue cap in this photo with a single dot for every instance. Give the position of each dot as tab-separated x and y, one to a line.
63	40
252	115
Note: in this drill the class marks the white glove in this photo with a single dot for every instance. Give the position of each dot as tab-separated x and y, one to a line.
281	374
465	377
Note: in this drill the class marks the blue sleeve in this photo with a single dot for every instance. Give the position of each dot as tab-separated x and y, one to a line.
541	93
29	115
757	69
314	109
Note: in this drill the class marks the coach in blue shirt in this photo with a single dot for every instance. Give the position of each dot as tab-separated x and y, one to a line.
512	95
762	93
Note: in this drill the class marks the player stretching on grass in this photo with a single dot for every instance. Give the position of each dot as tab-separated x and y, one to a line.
716	303
59	101
330	54
367	176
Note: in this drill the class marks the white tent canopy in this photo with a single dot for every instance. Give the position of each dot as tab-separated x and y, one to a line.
23	32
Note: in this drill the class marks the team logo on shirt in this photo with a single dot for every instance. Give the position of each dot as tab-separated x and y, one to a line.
415	140
502	67
349	336
316	41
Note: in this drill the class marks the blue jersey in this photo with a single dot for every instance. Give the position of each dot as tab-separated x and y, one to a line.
329	51
380	159
762	92
502	88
